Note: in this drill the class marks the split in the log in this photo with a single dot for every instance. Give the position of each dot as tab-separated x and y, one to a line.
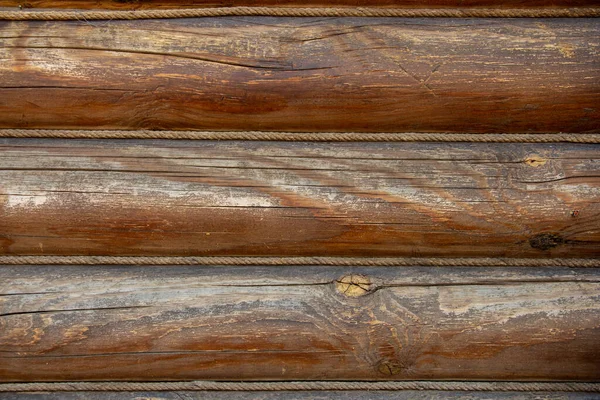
288	323
303	74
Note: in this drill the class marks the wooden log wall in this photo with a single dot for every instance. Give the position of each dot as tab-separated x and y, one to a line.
303	74
133	198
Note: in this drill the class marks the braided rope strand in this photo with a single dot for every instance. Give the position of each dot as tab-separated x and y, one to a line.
306	136
589	12
309	385
299	261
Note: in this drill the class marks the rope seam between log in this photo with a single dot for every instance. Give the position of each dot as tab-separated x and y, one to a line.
298	261
306	136
303	12
308	385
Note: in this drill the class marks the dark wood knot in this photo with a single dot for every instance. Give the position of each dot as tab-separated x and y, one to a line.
389	368
545	241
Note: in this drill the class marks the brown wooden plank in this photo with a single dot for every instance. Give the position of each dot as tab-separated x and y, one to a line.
186	198
158	323
169	4
303	74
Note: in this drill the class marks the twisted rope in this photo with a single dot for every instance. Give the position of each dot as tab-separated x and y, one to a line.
303	12
322	385
306	136
331	261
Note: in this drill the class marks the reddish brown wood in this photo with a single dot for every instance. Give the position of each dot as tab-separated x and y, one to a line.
303	74
165	323
267	198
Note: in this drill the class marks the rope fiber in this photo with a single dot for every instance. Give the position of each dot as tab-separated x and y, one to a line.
330	261
306	136
309	385
22	15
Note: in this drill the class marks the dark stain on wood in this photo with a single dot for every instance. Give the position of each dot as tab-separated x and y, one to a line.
545	241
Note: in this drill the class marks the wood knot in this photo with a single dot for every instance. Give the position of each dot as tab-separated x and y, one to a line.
535	161
354	285
389	368
545	241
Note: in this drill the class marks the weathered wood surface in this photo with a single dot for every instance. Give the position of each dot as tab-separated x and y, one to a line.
183	198
302	74
316	395
158	323
169	4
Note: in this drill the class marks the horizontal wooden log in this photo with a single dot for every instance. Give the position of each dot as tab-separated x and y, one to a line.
303	74
314	323
183	198
170	4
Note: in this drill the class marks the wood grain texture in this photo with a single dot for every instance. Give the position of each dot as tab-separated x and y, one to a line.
186	198
169	4
253	323
303	74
